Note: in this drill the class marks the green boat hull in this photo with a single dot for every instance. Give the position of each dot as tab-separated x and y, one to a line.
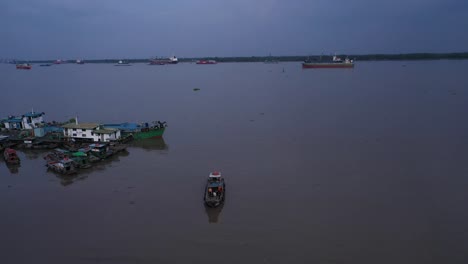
150	133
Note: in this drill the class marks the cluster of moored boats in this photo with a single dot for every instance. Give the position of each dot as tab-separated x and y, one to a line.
154	61
322	62
165	61
335	62
70	161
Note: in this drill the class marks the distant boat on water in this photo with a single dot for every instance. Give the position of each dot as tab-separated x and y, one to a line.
122	63
335	62
58	61
45	65
215	190
79	61
24	66
207	62
10	156
270	60
164	61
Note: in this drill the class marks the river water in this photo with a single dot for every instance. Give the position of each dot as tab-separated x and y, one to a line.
367	165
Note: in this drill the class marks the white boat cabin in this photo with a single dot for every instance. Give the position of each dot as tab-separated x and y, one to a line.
215	176
29	120
90	132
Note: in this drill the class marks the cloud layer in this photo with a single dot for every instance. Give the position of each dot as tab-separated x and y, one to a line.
33	29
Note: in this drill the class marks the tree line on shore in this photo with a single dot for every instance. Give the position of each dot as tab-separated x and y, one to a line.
366	57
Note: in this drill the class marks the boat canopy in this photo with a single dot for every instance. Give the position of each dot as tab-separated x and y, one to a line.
215	174
133	127
64	151
66	161
215	185
10	151
79	154
97	145
34	114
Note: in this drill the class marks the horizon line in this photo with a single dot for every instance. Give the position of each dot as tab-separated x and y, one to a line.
254	56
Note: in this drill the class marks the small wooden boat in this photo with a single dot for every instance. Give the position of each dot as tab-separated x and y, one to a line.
10	156
101	150
215	190
57	155
80	159
64	166
81	162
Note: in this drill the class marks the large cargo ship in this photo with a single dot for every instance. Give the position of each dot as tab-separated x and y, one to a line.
164	61
140	131
336	62
207	62
24	66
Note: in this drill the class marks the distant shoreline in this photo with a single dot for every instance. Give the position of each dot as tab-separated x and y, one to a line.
367	57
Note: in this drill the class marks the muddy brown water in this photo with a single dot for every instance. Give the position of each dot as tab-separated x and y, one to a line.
367	165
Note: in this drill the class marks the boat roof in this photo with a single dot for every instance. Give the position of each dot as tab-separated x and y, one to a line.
49	128
61	150
123	126
97	145
34	114
214	184
13	120
79	154
10	151
215	174
105	131
81	125
84	150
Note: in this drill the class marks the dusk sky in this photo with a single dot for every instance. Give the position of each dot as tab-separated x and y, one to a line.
97	29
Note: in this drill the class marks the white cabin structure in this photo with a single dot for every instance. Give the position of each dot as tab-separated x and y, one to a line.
33	120
29	120
90	132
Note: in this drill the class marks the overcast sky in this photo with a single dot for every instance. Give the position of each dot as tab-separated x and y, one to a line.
92	29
